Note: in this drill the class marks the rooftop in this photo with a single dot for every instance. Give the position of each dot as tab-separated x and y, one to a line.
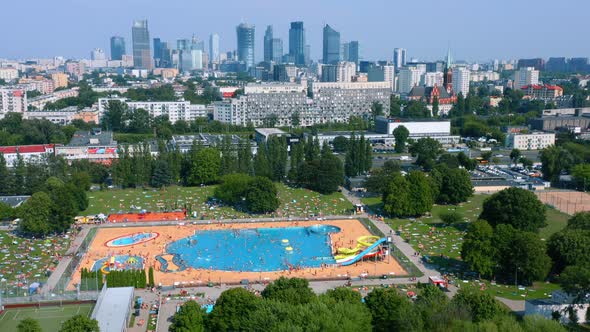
40	148
112	309
13	201
96	137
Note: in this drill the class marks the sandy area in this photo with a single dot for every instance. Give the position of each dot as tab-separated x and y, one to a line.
350	231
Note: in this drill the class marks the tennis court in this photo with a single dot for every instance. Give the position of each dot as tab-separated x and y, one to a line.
50	318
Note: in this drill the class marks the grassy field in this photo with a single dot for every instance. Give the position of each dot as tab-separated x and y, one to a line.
294	202
441	243
50	318
24	261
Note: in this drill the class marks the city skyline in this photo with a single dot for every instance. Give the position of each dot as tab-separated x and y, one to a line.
474	35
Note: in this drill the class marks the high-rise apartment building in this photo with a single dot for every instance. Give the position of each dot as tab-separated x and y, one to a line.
525	76
431	79
142	58
297	43
12	100
331	45
117	48
461	78
214	48
246	44
408	78
389	75
399	57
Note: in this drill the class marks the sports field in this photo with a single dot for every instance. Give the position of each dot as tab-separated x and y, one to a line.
295	202
50	318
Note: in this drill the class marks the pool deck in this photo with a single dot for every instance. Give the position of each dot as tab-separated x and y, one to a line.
351	230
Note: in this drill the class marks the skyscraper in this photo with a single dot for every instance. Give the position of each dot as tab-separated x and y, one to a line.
277	50
297	43
157	51
246	44
117	48
353	52
331	50
399	57
268	44
141	45
166	55
214	48
97	54
461	77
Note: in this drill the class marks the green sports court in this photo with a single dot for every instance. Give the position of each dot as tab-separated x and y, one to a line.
50	318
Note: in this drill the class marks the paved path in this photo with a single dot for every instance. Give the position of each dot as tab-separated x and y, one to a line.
65	261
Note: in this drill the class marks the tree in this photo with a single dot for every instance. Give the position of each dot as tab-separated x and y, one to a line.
79	323
427	150
189	318
451	186
29	325
554	160
569	247
451	217
262	166
344	294
575	280
537	323
232	310
378	180
477	249
340	144
394	106
161	174
289	290
521	255
6	186
416	109
515	155
295	119
482	306
514	206
435	107
35	214
580	220
233	188
581	175
396	201
419	194
392	312
205	168
261	196
401	134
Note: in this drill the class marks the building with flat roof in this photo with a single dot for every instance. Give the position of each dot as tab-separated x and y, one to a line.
175	110
532	141
12	100
113	309
263	134
13	201
95	146
30	153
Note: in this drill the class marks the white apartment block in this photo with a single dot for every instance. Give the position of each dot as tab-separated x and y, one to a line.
389	76
175	110
482	76
525	76
533	141
330	102
432	79
345	71
8	74
461	80
12	100
408	78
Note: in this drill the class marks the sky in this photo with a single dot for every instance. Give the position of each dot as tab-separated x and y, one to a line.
475	30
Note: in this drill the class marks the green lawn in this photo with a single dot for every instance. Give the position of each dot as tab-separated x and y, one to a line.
24	261
539	290
442	243
50	318
294	202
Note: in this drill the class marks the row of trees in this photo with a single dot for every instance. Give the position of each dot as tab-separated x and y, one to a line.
14	130
289	304
252	194
358	158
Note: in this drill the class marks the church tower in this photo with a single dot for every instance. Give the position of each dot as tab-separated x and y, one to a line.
448	73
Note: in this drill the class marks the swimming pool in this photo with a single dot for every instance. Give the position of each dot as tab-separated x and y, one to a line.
131	239
122	262
254	250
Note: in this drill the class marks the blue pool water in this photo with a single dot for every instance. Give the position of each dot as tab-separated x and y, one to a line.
260	249
122	261
132	239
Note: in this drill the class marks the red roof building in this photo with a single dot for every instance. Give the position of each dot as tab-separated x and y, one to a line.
29	153
537	91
